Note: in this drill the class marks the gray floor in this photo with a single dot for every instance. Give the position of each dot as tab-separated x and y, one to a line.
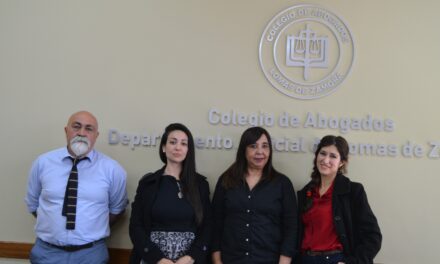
13	261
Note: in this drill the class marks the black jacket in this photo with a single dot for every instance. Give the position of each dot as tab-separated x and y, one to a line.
140	222
355	223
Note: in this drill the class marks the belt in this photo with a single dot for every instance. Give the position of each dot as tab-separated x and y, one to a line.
321	253
73	248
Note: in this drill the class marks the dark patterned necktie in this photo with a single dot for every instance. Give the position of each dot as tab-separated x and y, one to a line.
70	197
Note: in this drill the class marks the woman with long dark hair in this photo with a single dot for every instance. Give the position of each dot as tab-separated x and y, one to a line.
254	207
170	214
336	223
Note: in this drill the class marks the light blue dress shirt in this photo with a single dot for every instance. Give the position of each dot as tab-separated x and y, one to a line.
101	191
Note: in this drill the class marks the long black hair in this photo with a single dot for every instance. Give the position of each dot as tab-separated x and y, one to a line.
235	174
188	174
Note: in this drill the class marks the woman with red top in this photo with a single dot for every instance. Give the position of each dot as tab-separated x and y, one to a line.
336	223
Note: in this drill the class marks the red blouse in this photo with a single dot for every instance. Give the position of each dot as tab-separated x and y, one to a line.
319	230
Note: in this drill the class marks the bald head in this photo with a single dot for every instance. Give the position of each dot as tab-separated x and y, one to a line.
82	124
85	116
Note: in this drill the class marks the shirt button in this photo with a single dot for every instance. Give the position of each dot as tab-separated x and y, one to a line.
247	225
247	239
249	196
248	211
247	253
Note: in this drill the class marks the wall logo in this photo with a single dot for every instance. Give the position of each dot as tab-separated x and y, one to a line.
306	52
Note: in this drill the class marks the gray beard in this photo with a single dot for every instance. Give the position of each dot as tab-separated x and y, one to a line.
78	146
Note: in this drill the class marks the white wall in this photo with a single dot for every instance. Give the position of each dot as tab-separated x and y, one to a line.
139	65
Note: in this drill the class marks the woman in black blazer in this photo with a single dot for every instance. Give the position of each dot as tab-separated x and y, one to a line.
336	223
170	214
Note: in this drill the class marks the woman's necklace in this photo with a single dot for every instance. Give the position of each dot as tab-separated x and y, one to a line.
179	193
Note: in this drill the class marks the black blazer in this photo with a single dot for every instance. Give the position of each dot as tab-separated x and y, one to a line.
140	222
355	223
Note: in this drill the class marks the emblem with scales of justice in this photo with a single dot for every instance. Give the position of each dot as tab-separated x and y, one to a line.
307	50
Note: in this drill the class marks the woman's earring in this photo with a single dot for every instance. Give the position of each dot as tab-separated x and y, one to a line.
341	168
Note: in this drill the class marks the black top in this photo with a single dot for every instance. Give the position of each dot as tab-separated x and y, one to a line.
169	212
255	226
140	226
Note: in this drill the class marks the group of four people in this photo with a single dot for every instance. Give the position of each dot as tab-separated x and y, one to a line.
254	216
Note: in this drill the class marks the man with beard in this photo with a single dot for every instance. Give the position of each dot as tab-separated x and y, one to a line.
75	193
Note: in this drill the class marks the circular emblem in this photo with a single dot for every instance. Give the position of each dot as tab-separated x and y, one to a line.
306	52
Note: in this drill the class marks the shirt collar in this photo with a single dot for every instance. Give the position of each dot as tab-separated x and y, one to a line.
89	157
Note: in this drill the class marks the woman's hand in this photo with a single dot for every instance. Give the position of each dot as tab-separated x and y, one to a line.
185	260
216	258
285	260
341	262
165	261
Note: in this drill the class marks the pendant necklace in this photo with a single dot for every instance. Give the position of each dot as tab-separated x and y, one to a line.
179	194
